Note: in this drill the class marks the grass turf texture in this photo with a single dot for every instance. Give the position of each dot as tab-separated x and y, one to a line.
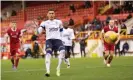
81	69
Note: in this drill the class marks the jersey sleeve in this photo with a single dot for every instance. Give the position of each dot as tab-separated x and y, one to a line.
40	29
117	30
61	25
72	36
104	30
8	32
42	26
22	31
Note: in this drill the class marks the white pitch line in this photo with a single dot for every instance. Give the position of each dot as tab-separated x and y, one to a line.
30	70
10	71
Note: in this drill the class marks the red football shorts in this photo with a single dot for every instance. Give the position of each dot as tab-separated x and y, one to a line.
108	47
14	49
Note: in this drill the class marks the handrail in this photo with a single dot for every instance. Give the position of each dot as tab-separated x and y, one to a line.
97	35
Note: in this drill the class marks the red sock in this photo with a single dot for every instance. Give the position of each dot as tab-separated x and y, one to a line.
16	62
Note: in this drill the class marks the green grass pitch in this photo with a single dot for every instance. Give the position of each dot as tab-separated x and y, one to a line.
81	69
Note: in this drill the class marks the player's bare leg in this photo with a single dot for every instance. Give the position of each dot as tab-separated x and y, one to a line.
16	61
17	57
60	57
12	61
106	55
110	58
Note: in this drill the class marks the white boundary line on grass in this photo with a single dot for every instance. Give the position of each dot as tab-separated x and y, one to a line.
30	70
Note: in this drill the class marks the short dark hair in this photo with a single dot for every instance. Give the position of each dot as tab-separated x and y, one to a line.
51	9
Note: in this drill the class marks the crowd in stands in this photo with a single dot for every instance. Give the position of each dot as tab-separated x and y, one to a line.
97	25
118	7
126	7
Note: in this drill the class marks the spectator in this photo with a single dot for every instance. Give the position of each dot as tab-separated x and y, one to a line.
97	24
132	7
129	16
72	48
125	48
108	19
28	52
123	26
117	49
98	27
131	31
8	14
35	46
88	26
14	13
82	47
87	4
82	27
36	50
34	37
72	8
116	10
94	21
71	22
126	6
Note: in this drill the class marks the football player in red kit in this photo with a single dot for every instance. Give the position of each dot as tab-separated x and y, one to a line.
14	34
109	48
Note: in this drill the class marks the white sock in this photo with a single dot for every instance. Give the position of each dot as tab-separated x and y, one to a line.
67	61
47	62
60	57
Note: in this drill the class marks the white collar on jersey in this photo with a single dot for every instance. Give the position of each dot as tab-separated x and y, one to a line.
13	29
111	27
52	20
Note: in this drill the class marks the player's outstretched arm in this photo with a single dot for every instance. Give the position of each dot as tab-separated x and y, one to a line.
40	31
6	38
102	35
22	32
117	39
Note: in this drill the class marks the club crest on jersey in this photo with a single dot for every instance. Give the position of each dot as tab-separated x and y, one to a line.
47	45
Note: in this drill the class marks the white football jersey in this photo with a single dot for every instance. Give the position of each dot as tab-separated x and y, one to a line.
67	36
52	28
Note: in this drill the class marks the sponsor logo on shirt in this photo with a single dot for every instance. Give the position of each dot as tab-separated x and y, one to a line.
53	29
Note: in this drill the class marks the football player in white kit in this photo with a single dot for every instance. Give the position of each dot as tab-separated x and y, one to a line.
67	38
53	28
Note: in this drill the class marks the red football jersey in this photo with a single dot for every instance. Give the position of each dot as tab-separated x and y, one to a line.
108	28
14	35
107	46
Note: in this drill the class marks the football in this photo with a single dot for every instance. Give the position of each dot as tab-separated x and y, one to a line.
110	37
